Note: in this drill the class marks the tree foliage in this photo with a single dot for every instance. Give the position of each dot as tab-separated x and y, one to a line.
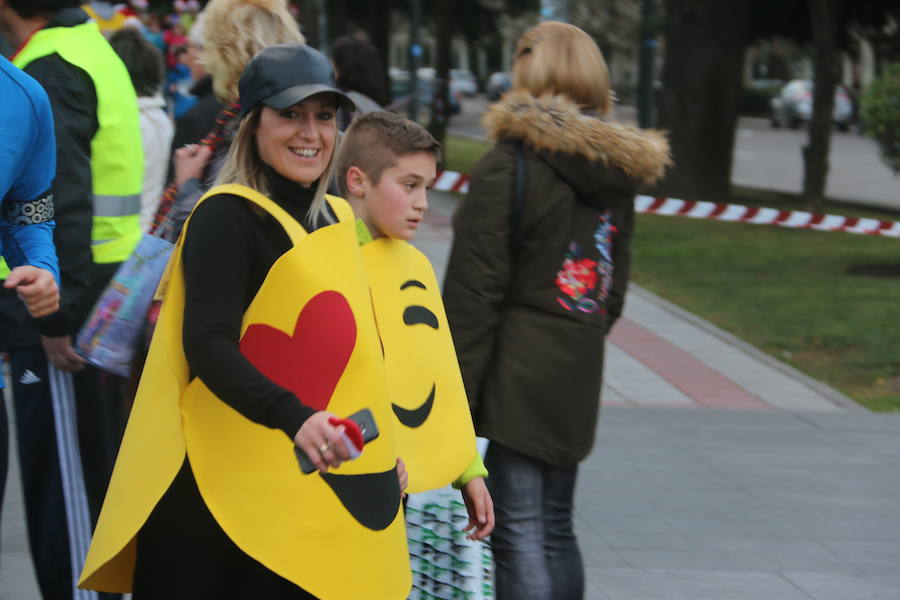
881	114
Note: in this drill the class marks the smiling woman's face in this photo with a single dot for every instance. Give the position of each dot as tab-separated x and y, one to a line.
298	141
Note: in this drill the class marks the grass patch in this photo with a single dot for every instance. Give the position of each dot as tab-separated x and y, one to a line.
788	292
461	154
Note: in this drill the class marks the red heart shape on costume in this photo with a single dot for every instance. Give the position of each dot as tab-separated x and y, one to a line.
311	362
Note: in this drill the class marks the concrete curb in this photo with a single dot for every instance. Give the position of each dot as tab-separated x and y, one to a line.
814	384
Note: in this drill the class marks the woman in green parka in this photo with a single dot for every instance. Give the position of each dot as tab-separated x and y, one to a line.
536	280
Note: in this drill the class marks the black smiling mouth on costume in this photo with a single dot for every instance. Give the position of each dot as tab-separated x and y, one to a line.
417	315
417	416
373	499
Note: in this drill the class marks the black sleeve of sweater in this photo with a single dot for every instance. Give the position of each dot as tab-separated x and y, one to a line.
217	258
73	100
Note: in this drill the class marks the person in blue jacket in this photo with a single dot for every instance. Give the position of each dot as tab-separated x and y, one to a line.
27	168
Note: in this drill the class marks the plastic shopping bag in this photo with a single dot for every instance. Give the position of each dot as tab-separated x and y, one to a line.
111	334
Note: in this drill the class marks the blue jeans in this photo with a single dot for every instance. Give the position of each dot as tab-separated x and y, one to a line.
536	556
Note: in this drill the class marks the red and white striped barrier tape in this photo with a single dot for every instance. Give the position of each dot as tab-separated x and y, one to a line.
450	181
756	215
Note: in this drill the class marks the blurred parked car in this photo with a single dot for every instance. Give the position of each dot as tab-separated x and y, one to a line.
400	85
794	104
464	82
497	85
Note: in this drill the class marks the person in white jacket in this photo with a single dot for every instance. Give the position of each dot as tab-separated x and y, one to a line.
145	65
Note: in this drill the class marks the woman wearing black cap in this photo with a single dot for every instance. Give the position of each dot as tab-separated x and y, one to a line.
190	545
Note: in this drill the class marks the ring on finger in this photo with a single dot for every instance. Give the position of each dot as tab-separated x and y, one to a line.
323	448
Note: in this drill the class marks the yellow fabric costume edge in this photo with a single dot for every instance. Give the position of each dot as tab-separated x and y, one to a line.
440	448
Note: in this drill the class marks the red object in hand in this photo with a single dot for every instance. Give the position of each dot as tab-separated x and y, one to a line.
351	430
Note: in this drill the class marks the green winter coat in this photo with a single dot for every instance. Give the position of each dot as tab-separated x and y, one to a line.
529	316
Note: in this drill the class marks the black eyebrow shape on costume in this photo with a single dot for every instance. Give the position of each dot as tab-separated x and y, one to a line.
413	283
415	315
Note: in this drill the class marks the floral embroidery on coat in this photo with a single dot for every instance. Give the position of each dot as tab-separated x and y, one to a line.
579	276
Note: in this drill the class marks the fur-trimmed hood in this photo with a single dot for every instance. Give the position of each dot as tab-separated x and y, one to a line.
556	128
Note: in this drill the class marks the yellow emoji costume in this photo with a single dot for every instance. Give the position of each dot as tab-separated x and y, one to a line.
309	326
435	435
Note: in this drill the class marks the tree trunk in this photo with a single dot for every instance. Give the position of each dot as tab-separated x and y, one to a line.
445	18
702	78
824	17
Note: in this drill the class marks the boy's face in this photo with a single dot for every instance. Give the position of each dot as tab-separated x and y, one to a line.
395	206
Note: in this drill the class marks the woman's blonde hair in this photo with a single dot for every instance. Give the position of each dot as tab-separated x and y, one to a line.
243	165
235	30
558	58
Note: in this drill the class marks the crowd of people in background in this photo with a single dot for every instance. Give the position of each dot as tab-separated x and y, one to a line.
173	28
167	31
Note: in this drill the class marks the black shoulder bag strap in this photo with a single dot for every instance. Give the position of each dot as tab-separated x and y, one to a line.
518	202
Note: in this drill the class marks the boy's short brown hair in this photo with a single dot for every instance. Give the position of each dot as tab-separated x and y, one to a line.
376	140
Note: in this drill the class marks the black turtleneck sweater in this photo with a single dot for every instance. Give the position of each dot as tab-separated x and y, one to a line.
228	251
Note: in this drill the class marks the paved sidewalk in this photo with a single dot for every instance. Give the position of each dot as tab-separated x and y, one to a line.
678	504
17	580
719	473
661	355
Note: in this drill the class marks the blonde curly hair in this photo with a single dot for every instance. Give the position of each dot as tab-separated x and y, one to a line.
235	30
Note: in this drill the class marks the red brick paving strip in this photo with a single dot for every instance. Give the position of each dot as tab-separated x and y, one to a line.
698	381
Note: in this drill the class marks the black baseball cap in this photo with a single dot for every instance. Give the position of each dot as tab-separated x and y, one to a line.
280	76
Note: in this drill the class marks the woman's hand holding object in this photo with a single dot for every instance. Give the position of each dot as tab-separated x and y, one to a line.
322	441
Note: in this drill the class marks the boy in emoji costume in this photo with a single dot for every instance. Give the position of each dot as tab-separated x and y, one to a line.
387	190
208	498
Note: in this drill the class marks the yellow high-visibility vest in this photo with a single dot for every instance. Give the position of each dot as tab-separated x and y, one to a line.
117	156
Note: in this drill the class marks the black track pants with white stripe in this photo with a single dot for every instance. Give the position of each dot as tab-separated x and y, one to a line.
69	421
